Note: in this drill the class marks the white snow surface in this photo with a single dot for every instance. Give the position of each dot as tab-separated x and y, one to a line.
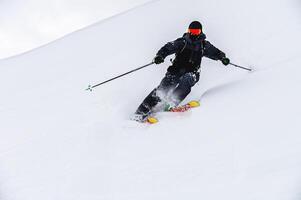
28	24
61	142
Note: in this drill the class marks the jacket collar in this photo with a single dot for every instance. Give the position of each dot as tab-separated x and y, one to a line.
199	39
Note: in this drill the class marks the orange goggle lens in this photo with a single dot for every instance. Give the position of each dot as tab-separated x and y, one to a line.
195	31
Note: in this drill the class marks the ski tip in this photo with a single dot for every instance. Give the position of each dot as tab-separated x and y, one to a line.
194	104
152	120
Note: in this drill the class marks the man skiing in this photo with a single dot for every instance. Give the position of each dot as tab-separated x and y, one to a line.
183	74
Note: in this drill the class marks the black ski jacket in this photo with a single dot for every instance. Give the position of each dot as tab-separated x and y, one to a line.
189	53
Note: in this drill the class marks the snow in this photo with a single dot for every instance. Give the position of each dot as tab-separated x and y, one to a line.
28	24
61	142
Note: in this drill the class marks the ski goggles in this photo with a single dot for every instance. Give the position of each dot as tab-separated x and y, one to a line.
194	31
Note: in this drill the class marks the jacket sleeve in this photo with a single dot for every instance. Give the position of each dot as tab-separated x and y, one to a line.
212	52
171	48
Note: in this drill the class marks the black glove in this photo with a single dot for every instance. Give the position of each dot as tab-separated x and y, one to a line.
158	59
225	61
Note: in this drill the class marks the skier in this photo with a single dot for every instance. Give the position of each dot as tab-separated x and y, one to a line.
183	74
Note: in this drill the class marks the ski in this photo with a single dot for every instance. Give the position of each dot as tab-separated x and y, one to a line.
152	119
185	107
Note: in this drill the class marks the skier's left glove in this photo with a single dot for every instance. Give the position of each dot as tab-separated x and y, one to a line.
158	59
225	61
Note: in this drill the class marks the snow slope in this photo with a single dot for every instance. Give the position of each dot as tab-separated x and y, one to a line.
28	24
61	142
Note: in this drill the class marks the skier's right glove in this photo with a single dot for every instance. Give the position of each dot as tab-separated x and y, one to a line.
158	59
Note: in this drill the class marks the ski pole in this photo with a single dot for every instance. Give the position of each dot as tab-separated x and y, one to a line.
90	87
240	67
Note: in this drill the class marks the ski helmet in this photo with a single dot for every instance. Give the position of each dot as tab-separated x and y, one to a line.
195	28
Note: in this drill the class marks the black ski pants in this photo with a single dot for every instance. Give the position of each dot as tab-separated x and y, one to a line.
176	86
